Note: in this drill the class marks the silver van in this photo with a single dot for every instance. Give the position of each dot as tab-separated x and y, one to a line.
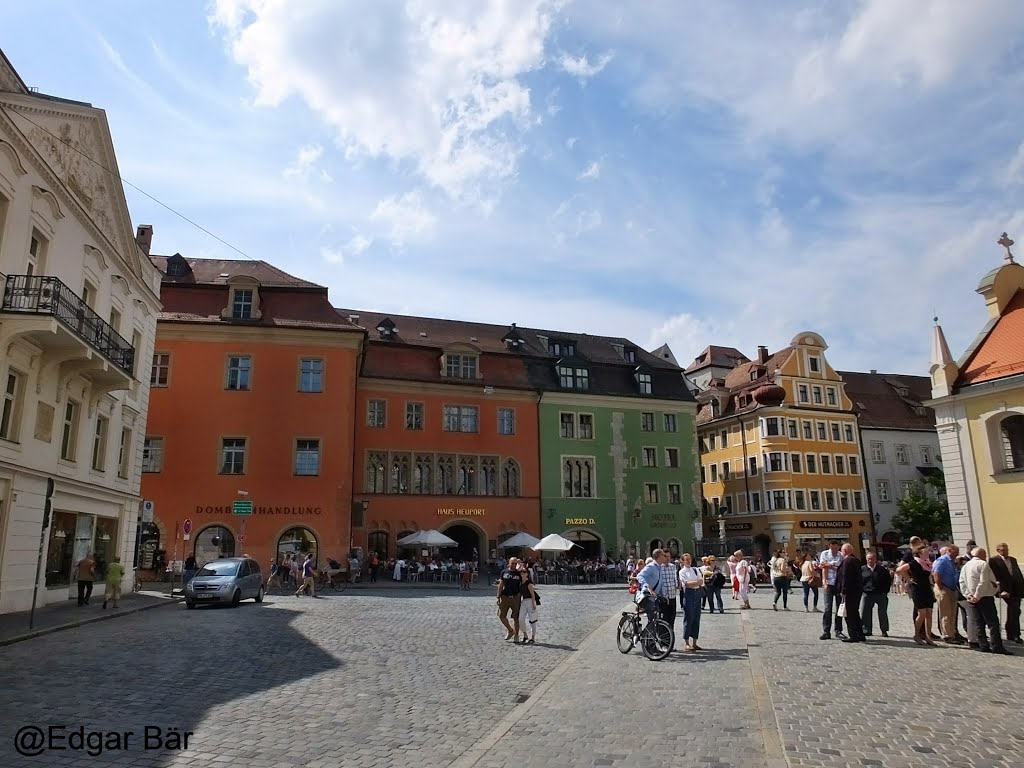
227	580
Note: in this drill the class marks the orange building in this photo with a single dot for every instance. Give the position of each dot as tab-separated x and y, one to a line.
252	386
446	434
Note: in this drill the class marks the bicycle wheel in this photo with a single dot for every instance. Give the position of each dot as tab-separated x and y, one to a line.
625	635
340	585
656	640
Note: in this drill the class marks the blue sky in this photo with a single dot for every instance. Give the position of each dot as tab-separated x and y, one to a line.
681	172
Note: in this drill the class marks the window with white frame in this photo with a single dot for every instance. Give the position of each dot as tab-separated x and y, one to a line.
239	372
831	396
815	497
703	473
714	473
778	500
69	434
232	456
808	428
812	464
675	493
882	488
926	455
376	413
711	441
816	391
578	477
906	488
822	430
902	454
99	443
242	303
161	370
799	500
643	382
775	462
877	452
670	423
651	493
311	375
647	422
792	426
725	438
14	397
567	425
771	427
1011	439
461	418
755	502
858	501
840	465
124	453
650	457
307	457
726	470
836	434
573	378
152	454
844	501
848	432
803	393
752	465
826	464
672	458
585	426
461	366
854	465
506	421
830	501
414	417
795	462
814	363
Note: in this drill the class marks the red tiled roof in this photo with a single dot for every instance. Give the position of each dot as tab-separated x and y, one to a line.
717	357
878	403
738	381
1001	354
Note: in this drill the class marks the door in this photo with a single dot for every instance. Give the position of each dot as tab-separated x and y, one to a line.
243	578
83	546
255	577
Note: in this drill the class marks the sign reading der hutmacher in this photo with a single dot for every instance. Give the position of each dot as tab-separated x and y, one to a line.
228	508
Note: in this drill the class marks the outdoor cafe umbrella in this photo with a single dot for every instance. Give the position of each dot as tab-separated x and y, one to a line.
427	539
553	543
520	540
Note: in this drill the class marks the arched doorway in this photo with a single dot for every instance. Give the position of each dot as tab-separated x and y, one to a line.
588	544
147	542
377	542
300	541
213	542
469	542
672	545
653	545
761	546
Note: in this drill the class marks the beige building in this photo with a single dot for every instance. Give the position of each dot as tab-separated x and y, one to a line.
77	323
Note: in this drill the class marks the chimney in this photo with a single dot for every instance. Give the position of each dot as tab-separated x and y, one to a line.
873	371
144	237
762	355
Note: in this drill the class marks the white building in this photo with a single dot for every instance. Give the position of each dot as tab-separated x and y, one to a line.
901	445
77	325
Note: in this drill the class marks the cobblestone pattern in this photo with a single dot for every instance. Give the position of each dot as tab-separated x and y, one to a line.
615	710
887	702
361	679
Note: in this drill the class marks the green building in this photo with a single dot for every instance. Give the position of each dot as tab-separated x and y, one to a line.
618	446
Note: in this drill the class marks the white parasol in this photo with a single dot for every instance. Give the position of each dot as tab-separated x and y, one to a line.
427	539
553	543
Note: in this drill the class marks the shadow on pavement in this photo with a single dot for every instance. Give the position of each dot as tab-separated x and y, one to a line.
706	655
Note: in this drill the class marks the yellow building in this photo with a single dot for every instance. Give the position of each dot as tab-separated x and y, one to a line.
979	415
781	461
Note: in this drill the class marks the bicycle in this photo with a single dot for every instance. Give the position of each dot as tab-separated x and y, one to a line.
655	640
337	581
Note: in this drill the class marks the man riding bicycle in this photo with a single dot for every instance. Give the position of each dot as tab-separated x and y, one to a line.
656	589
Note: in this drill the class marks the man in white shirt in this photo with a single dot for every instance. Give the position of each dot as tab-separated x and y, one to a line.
979	586
829	561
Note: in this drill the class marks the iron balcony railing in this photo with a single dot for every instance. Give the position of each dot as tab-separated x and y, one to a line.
44	295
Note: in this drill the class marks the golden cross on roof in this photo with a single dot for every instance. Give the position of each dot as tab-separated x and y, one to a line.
1006	242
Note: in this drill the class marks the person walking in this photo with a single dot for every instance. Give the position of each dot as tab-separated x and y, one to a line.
112	583
917	568
374	567
850	586
528	616
877	581
691	578
742	582
782	576
810	581
86	574
510	599
731	564
308	577
829	562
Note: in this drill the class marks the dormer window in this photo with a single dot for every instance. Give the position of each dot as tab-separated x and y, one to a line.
643	381
243	299
570	377
241	304
513	339
629	355
386	328
175	269
562	348
461	366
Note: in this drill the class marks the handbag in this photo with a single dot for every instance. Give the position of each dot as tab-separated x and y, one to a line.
815	582
536	596
841	613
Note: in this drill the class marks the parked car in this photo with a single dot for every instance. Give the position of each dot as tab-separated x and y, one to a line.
227	580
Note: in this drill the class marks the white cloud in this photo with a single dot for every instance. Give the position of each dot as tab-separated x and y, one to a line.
304	160
357	246
1013	175
405	217
591	172
581	67
438	85
571	142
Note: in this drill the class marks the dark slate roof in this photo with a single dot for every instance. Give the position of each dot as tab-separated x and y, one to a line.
609	372
717	357
878	403
739	382
210	272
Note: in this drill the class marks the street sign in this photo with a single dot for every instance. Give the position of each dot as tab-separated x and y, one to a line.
186	527
241	507
148	507
186	537
241	538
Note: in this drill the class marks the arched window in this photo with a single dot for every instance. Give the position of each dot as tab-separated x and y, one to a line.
488	476
399	473
577	478
467	476
213	542
297	541
377	542
375	472
422	476
445	475
510	478
1011	433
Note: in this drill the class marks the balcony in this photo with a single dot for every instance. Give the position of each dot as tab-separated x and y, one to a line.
71	335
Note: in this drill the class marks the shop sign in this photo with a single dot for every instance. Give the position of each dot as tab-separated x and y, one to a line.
580	521
458	512
228	509
663	520
826	524
739	526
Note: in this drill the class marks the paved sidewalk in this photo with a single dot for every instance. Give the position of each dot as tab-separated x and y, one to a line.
67	614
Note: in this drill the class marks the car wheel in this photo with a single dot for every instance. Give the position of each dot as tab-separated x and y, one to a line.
190	604
236	598
259	595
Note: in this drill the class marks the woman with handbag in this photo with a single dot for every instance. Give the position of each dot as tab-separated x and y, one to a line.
810	580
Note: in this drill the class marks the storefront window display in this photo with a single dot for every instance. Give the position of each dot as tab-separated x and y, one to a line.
61	550
214	542
105	542
299	542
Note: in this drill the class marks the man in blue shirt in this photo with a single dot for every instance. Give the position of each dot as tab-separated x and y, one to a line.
946	579
650	580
